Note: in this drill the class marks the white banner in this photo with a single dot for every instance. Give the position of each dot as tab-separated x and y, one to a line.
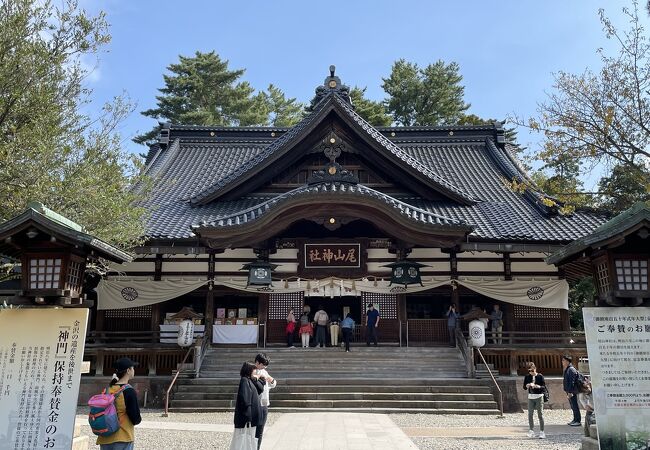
541	294
619	364
41	350
128	293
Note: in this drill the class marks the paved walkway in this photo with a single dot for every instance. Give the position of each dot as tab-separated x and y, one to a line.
335	431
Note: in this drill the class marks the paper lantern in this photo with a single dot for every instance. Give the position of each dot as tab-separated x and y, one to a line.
185	333
477	333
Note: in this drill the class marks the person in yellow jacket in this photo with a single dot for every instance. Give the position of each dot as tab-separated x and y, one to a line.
126	405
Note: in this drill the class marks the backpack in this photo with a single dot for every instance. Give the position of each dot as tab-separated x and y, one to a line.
581	384
103	419
304	319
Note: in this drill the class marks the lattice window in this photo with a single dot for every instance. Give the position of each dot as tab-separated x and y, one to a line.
529	312
280	304
128	319
386	304
631	275
44	273
602	277
74	275
138	312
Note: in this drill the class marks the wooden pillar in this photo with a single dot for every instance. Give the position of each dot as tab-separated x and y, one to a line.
507	267
209	298
209	314
155	320
402	316
157	275
262	316
99	320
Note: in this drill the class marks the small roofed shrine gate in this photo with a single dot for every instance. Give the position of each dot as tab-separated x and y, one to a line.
328	204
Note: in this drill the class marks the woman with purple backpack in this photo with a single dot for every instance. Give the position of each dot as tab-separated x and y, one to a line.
126	404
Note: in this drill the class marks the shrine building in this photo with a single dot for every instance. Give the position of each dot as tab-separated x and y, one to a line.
245	223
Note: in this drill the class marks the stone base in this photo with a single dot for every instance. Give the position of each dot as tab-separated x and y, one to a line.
79	442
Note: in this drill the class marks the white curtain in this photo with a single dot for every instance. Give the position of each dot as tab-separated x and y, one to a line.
129	293
541	294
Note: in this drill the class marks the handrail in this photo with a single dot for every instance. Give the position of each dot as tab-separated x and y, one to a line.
400	333
465	350
493	379
407	333
169	389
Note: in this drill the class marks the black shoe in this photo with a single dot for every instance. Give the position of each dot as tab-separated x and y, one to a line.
367	345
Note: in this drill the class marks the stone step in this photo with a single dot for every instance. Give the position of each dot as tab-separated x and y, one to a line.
589	443
371	396
281	389
323	404
351	381
593	431
359	410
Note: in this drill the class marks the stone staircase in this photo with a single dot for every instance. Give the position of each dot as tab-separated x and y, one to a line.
368	379
590	441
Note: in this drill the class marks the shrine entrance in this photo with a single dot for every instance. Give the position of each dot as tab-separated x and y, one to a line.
386	304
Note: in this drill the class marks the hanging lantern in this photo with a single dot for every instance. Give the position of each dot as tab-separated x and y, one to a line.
259	273
185	333
477	333
405	272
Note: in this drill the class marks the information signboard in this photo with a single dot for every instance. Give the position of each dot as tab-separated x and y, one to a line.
41	352
618	343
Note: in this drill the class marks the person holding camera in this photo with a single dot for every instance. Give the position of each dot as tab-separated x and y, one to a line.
453	318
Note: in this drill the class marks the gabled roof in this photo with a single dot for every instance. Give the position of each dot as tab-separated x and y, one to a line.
629	221
200	173
331	102
63	229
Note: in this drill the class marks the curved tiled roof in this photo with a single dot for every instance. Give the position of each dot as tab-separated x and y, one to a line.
340	190
283	143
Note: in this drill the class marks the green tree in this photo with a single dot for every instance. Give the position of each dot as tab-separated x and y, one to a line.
202	90
282	111
49	150
425	96
604	116
581	293
373	112
622	188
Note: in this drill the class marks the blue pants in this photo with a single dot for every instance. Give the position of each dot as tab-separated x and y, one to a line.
573	401
347	334
321	335
117	446
371	333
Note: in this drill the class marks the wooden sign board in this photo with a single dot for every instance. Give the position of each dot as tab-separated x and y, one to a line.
332	256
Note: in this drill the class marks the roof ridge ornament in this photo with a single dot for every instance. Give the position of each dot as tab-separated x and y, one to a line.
332	146
331	85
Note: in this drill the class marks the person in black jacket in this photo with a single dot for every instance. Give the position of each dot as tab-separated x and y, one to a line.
570	375
535	384
247	407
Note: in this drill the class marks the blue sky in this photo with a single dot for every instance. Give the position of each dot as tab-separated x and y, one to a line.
507	50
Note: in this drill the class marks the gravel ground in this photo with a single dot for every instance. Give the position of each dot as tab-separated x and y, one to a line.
149	439
551	417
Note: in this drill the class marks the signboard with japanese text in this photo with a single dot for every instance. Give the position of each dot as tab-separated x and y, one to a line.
618	344
41	352
330	256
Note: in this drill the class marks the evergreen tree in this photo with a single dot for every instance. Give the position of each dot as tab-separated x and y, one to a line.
425	96
373	112
622	188
282	111
202	90
49	150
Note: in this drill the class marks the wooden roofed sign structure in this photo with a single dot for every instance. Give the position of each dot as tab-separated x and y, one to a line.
52	251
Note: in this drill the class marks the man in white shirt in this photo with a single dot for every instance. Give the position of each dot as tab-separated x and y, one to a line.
261	363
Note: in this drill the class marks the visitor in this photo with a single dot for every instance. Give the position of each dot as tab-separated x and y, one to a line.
306	329
347	327
334	330
453	318
291	328
247	406
372	322
535	384
569	384
320	319
586	401
260	373
126	404
496	324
